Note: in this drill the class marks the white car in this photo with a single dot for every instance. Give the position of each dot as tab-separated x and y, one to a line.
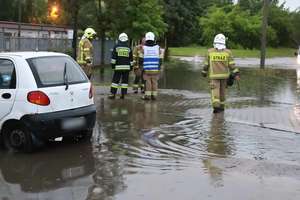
43	96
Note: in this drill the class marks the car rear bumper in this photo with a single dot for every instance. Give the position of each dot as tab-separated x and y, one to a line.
56	124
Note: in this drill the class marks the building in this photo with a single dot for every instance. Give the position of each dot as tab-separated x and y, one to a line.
11	29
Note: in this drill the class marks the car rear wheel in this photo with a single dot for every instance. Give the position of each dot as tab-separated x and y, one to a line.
18	139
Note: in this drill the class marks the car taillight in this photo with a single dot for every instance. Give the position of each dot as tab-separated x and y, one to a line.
39	98
91	93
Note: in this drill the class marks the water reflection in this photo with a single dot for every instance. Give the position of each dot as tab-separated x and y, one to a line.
46	171
175	141
108	179
217	144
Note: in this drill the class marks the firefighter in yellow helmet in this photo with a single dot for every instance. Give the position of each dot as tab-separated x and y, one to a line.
85	51
219	65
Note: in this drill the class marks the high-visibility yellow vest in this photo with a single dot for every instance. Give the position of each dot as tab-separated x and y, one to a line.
219	63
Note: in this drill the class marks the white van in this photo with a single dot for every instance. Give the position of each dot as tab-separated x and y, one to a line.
43	95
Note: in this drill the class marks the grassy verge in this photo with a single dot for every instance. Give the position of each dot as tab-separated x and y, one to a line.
240	53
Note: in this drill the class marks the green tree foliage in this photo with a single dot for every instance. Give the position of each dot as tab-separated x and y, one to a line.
241	28
182	22
135	17
9	10
182	19
296	27
145	16
33	11
280	21
253	6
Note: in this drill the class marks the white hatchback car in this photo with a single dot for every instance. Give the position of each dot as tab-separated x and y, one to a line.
43	96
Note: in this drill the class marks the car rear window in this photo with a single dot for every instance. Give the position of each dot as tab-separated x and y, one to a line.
51	71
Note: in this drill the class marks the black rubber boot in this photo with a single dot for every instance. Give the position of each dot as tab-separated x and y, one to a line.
112	96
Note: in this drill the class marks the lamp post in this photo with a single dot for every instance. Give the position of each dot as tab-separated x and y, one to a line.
75	8
264	33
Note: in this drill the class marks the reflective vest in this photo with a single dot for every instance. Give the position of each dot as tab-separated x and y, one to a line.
85	52
219	63
151	58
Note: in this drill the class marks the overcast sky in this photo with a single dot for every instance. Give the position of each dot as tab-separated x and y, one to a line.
291	4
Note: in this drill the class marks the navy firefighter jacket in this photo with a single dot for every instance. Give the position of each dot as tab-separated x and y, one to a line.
122	58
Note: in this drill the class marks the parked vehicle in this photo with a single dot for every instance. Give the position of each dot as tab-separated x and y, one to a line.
43	95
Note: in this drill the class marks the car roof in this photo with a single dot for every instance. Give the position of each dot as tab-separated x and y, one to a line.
31	54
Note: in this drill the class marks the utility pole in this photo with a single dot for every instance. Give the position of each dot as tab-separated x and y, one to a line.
102	33
75	8
264	27
19	23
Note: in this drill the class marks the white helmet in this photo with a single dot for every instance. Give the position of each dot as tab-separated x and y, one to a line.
220	41
123	37
150	36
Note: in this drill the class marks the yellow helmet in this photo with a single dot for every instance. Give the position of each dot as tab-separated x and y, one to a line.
89	33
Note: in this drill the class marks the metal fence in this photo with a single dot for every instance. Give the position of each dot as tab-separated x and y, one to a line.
51	44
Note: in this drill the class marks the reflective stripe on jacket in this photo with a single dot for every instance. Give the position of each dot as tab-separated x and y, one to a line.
121	57
151	58
219	63
85	51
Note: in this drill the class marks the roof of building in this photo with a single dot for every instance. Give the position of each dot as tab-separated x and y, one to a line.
27	26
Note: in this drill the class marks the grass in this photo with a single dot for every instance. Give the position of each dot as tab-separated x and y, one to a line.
239	53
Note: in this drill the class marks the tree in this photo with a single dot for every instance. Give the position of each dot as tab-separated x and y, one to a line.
254	6
145	16
280	20
295	16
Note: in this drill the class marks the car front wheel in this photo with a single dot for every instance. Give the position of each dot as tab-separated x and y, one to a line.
18	139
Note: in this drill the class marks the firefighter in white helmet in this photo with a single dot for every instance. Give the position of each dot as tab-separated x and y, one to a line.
85	51
152	59
219	65
122	62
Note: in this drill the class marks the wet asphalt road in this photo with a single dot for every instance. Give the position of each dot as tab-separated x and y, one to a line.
174	148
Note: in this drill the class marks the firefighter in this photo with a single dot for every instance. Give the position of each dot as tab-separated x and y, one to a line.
138	68
151	65
218	65
122	61
85	51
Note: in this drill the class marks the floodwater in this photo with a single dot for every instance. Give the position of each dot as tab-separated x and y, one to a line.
174	148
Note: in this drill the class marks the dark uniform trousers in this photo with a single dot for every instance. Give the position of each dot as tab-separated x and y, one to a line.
120	80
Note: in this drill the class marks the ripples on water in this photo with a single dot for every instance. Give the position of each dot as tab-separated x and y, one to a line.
176	133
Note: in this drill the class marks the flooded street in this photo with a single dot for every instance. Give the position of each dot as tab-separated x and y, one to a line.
174	148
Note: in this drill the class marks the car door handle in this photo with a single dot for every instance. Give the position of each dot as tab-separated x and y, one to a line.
6	96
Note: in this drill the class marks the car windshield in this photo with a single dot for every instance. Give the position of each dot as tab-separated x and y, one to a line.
51	71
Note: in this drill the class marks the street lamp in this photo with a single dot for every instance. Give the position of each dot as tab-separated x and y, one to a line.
54	12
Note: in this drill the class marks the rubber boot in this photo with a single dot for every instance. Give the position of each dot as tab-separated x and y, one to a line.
112	96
